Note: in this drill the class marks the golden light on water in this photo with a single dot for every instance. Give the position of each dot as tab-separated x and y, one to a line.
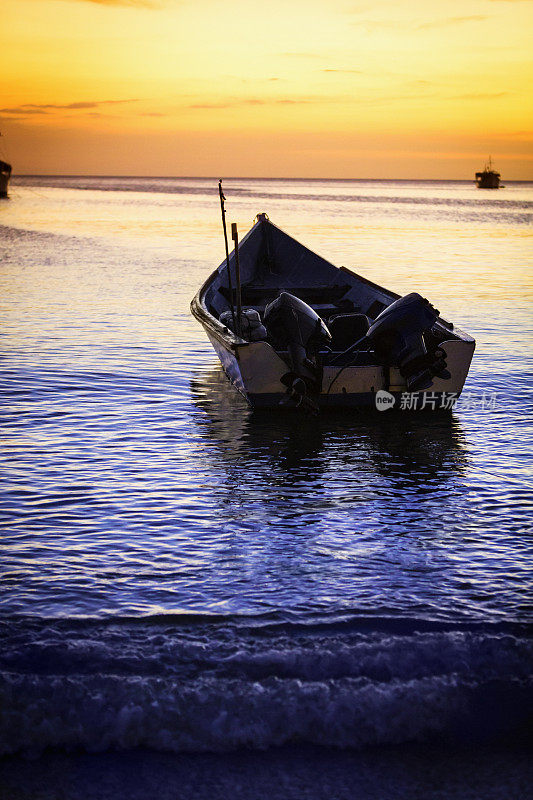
308	89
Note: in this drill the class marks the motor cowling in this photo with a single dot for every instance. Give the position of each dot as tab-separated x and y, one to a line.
294	326
401	337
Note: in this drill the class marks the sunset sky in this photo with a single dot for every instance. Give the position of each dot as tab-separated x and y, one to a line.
296	88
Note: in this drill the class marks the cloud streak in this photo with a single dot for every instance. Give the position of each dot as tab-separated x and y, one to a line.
130	3
22	110
344	71
483	95
301	55
45	108
377	24
445	23
251	101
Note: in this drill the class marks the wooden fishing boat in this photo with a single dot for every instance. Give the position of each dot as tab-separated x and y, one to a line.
291	329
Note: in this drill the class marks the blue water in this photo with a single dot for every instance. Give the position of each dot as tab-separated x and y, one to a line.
181	575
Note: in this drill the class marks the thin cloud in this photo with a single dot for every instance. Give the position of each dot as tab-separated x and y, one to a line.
483	95
302	55
377	24
444	23
131	3
345	71
45	108
289	102
22	110
392	99
251	101
211	105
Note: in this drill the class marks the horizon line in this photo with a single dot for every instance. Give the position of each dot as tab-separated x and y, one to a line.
244	177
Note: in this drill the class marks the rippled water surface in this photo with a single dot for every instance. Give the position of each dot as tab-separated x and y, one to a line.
334	569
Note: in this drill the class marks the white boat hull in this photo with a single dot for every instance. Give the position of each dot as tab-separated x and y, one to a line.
255	370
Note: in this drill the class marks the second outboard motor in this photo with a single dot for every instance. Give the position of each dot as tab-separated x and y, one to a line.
294	326
397	335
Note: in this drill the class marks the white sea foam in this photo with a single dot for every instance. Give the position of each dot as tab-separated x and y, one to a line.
212	689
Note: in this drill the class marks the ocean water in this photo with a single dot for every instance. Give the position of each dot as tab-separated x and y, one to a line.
188	580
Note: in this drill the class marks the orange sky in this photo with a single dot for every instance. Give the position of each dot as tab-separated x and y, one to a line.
314	88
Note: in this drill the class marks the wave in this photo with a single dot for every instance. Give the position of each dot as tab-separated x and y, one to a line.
208	687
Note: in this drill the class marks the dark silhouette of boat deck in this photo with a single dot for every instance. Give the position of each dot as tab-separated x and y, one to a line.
489	178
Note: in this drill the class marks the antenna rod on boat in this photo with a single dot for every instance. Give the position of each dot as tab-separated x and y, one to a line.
222	208
235	237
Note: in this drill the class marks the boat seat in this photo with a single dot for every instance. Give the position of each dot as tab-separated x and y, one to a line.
346	329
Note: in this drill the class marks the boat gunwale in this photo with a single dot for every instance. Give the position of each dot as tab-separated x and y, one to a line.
221	332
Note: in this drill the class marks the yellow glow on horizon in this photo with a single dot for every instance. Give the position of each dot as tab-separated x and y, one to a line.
310	88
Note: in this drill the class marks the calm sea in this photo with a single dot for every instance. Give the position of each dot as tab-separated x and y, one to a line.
180	575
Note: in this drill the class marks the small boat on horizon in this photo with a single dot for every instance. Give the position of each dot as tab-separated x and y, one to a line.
489	178
5	174
291	329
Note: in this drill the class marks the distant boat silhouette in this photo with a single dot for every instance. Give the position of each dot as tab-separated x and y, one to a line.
489	178
5	174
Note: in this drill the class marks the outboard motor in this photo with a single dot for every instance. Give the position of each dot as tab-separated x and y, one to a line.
294	326
397	335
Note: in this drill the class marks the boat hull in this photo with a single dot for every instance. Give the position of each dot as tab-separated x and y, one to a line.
255	370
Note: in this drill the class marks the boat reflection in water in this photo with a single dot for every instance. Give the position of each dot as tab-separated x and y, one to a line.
334	458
